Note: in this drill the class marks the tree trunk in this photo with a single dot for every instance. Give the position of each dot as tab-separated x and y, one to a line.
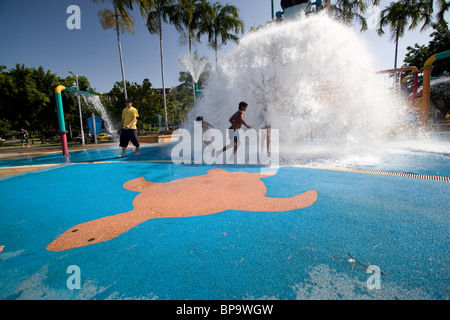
162	72
190	59
396	48
120	51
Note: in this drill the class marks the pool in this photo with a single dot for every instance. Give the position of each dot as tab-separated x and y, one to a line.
322	251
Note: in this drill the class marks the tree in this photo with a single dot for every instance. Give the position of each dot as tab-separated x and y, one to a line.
27	99
120	20
221	24
399	14
72	117
146	99
440	42
347	11
185	16
162	11
443	6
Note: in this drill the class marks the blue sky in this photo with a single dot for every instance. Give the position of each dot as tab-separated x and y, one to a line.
35	33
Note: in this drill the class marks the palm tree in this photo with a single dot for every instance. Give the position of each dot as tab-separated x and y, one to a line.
186	15
120	21
217	22
162	11
347	11
443	6
399	14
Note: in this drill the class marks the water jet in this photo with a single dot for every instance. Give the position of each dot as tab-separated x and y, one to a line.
60	112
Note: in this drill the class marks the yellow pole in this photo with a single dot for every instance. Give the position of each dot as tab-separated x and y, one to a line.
427	67
425	109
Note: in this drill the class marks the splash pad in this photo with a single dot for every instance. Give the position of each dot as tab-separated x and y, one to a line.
317	79
395	223
88	98
60	112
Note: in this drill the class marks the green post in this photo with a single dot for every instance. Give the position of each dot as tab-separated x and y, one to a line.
60	112
59	108
62	125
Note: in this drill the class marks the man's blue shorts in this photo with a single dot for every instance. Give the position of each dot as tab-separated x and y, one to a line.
128	135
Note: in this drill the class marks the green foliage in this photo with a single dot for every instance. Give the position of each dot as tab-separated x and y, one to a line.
221	23
440	42
149	102
108	20
27	99
348	11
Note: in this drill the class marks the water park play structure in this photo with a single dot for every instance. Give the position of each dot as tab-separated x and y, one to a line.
60	112
291	8
421	100
195	67
328	96
427	67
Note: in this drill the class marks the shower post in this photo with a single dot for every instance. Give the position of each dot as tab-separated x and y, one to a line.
60	112
415	83
62	125
425	109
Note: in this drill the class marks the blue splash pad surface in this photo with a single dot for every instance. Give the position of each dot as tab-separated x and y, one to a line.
426	163
160	151
399	224
434	164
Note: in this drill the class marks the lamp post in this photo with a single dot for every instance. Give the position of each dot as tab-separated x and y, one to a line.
75	85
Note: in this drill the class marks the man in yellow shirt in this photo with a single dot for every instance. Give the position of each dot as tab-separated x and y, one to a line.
127	128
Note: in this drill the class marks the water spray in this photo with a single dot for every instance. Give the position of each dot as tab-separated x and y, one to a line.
317	81
195	67
60	112
427	67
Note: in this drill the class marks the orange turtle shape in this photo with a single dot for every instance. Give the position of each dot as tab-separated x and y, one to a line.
216	191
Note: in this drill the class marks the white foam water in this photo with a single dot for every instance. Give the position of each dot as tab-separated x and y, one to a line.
95	102
194	65
315	80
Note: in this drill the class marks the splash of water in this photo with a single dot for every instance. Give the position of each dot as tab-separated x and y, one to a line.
440	86
194	65
313	79
95	102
